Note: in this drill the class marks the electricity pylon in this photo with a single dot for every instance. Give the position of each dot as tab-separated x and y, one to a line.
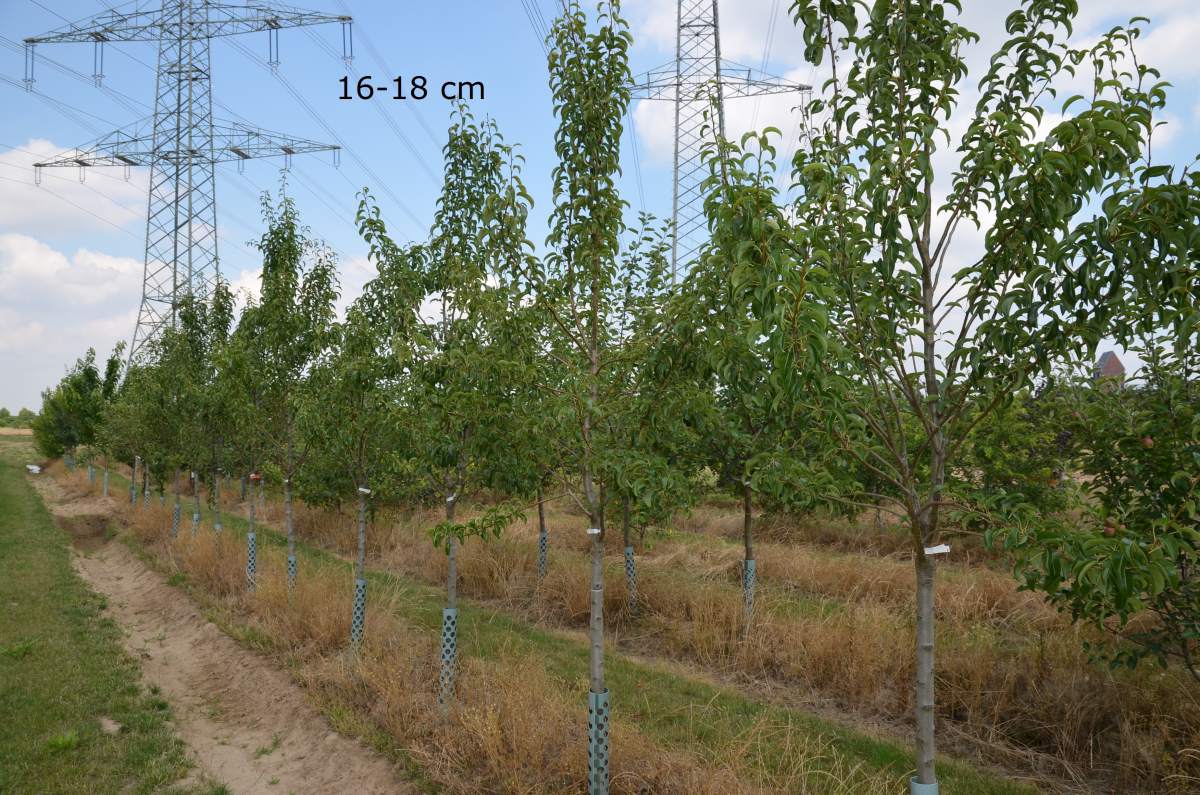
697	81
181	144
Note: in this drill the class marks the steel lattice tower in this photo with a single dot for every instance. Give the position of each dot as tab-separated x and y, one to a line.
181	143
697	81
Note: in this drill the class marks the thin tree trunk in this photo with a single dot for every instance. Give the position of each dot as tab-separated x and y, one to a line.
106	476
243	498
251	550
451	559
290	525
360	565
630	563
216	495
195	502
133	474
925	728
543	536
749	568
177	508
596	618
359	614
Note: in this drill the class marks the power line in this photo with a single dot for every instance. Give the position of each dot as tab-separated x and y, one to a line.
637	162
57	104
375	54
383	186
383	114
81	208
536	23
766	56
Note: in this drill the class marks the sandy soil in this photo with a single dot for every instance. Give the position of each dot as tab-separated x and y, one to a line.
5	431
247	724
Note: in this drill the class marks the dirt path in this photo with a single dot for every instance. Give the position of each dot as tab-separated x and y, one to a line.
247	723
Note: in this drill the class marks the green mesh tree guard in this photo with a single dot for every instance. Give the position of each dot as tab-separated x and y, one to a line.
543	549
251	558
91	473
105	480
175	511
292	576
598	716
360	611
631	577
449	657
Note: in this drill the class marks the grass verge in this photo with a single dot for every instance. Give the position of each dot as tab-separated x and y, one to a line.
75	715
535	678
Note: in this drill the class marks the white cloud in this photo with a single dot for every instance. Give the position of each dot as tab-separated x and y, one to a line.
54	305
30	269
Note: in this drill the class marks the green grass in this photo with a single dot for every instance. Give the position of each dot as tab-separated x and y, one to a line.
675	710
62	668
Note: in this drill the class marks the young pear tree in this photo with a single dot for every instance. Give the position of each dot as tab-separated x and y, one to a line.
348	415
295	316
754	417
929	340
578	286
458	371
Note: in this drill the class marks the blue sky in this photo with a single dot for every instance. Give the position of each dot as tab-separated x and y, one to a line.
71	253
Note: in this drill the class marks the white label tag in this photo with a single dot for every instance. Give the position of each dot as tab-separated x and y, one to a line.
593	531
363	490
940	549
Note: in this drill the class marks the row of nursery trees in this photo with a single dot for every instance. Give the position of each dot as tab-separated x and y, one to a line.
826	350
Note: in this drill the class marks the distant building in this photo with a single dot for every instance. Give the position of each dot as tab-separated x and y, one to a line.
1109	368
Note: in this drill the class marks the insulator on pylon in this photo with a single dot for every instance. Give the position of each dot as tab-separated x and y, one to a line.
127	172
348	42
37	175
82	174
337	157
29	59
98	63
273	49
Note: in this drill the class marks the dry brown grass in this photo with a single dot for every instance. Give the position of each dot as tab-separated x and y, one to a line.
1013	680
515	729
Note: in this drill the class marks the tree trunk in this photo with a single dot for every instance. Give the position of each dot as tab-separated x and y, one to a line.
749	569
216	498
543	536
449	616
451	559
177	508
251	550
596	617
360	565
105	476
195	503
290	525
262	498
630	563
925	735
145	485
133	474
243	498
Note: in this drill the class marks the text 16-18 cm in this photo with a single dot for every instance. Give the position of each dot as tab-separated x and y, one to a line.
415	87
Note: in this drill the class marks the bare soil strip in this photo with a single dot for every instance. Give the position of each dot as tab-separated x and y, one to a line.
248	725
